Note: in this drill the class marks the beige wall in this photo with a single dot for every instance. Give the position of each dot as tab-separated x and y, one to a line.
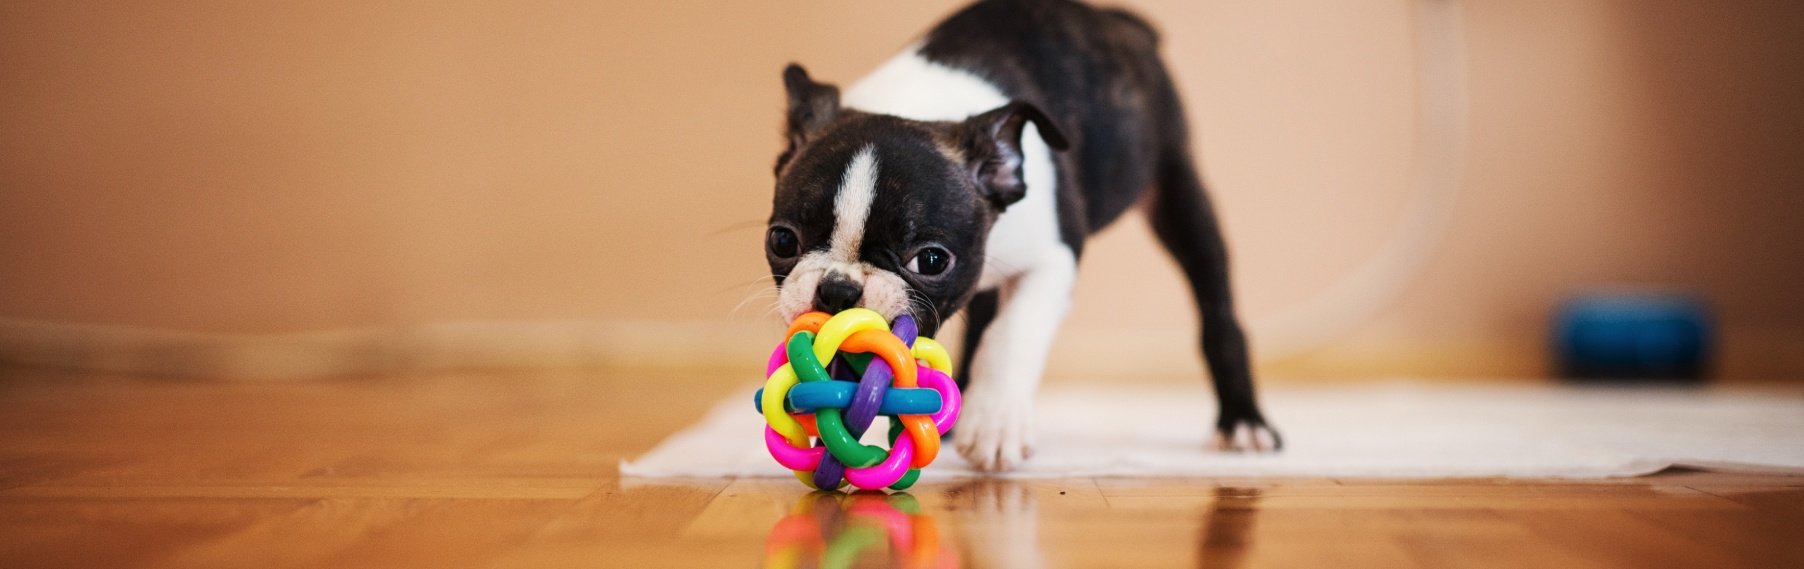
259	168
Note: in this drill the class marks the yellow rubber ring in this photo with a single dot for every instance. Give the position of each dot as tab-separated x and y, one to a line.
842	326
933	353
775	389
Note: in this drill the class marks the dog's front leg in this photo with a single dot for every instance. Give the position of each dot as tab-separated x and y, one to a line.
996	431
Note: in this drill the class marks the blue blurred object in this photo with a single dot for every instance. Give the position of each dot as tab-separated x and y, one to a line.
1633	337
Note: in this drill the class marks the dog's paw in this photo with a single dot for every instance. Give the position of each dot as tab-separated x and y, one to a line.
1246	435
995	433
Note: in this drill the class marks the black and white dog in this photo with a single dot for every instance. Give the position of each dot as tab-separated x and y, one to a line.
966	172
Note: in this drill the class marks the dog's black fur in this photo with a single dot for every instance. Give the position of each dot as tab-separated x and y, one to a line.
1087	78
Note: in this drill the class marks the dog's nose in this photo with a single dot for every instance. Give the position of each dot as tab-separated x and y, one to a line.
836	293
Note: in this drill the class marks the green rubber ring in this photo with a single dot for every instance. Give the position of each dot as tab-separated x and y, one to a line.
907	479
801	357
840	442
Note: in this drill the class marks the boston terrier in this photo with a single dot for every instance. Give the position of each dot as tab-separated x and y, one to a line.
965	174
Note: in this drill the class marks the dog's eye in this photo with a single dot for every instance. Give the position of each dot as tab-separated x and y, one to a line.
782	243
930	261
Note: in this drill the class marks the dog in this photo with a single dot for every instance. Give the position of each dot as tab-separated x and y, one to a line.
965	174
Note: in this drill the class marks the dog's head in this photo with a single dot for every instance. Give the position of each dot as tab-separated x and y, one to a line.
888	213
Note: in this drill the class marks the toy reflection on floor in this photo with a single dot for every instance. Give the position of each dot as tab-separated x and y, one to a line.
831	378
832	530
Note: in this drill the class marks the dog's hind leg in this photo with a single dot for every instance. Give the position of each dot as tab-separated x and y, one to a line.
1185	222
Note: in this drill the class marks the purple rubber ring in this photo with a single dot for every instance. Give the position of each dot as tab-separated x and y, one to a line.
868	397
906	329
877	378
829	473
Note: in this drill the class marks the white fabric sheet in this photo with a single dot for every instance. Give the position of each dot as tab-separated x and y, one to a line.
1397	430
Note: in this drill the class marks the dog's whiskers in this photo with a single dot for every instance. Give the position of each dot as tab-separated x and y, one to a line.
764	291
920	305
746	282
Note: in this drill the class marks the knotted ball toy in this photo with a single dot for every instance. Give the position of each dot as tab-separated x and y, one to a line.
815	416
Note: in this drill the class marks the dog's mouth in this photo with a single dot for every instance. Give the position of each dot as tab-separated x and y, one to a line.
889	316
878	290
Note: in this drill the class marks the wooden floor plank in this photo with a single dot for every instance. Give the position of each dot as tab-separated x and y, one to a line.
518	470
1622	539
99	532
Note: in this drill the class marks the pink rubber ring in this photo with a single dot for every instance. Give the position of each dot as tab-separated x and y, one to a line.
791	457
949	397
777	359
876	476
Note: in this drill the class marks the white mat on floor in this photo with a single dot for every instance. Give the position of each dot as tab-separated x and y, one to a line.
1400	430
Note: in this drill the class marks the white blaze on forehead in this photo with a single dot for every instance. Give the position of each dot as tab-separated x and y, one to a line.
852	205
882	290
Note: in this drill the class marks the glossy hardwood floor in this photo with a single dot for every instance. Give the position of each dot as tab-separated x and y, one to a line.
518	470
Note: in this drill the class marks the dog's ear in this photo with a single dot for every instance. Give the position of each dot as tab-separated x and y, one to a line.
992	142
811	107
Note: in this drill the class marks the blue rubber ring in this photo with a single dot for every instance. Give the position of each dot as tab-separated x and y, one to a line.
808	396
